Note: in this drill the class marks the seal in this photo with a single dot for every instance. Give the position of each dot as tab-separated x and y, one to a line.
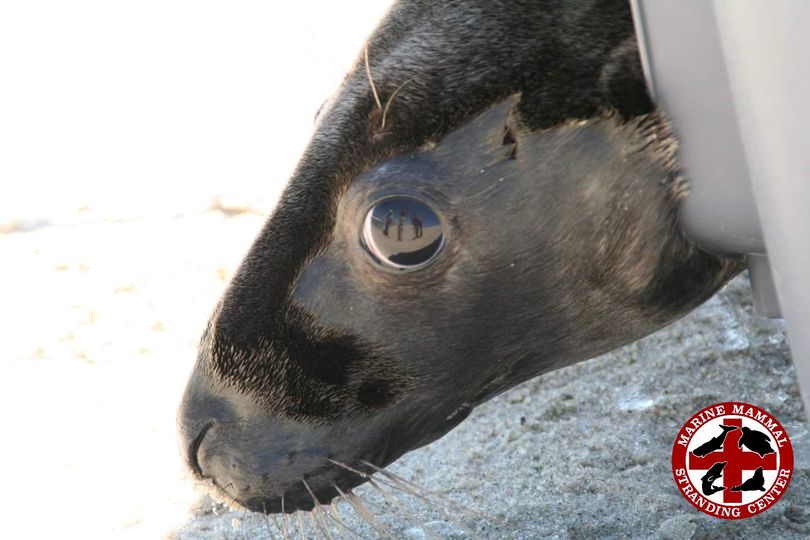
489	196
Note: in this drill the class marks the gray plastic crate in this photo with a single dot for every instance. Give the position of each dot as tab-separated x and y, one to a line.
734	77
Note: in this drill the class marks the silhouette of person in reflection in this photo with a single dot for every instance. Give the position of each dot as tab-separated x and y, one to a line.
416	221
389	219
401	224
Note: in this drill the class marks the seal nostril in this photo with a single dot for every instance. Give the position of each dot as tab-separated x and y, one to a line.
194	448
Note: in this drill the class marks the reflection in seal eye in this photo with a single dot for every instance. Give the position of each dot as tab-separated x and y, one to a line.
402	233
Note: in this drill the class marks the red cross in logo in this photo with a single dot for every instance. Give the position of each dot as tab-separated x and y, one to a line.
737	460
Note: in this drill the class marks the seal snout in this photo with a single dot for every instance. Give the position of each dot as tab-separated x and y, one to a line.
259	462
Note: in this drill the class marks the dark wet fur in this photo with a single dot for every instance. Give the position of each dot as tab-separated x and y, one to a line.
579	46
529	115
318	373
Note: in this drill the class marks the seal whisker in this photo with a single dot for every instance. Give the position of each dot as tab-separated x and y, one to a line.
316	525
359	510
380	508
392	484
413	491
320	519
316	512
402	509
397	478
385	481
433	506
367	516
350	469
334	516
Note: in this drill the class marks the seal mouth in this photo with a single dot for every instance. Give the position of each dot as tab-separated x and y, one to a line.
316	488
193	461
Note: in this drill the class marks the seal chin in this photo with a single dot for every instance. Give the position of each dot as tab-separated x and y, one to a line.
271	464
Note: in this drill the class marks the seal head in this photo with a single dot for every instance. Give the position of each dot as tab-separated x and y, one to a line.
559	241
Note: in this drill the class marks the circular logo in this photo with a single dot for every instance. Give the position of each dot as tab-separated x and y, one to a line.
732	460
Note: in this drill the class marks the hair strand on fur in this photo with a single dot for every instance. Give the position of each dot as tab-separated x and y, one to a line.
370	80
389	101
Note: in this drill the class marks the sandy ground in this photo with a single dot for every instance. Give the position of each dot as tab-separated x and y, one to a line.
104	318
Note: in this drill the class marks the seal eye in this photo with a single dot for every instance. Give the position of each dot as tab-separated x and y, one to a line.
402	233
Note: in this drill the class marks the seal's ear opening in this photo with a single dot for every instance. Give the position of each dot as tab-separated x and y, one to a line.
490	137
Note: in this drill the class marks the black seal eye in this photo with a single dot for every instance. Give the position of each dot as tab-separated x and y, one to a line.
403	233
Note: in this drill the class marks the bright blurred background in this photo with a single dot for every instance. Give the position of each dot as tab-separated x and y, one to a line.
149	108
141	146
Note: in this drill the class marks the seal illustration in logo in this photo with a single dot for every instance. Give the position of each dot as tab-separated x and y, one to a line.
732	460
756	482
713	444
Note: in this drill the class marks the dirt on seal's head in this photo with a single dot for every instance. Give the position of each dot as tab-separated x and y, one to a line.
506	208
